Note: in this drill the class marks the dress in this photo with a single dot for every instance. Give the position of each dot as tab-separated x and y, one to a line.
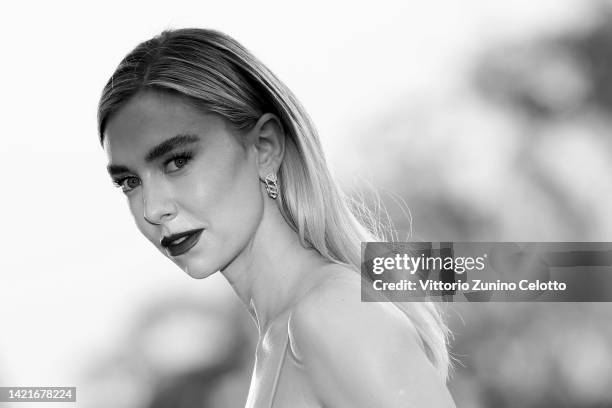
278	376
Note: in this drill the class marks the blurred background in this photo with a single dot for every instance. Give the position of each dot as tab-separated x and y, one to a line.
491	120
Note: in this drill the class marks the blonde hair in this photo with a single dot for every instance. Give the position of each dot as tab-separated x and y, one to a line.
218	75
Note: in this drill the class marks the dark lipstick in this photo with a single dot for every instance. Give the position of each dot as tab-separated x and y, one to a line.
175	249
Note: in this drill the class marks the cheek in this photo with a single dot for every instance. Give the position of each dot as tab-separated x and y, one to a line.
244	196
233	198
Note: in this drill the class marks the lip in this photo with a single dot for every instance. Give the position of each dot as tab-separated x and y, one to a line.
193	236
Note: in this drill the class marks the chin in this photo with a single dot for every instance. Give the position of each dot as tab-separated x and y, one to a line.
198	273
197	270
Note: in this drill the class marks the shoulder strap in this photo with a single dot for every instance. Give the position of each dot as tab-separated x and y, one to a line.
280	365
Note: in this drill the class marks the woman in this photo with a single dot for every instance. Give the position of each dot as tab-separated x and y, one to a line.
223	171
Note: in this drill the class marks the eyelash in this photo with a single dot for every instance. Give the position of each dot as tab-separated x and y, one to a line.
187	156
119	182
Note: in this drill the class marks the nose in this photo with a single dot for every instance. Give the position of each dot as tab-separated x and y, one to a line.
157	203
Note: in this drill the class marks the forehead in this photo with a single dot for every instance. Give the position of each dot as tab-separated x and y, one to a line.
148	119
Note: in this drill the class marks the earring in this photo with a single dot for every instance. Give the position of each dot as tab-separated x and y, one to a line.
271	185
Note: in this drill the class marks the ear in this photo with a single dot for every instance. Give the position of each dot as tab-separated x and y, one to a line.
268	139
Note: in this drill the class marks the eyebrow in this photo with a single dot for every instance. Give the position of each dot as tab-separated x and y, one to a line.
168	145
114	169
157	151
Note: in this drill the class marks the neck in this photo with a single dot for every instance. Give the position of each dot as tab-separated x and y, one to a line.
273	270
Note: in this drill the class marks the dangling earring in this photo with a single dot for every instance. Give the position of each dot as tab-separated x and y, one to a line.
271	185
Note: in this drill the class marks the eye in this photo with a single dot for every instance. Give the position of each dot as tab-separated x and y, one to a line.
177	162
127	183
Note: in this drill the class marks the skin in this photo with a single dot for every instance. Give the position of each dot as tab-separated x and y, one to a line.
219	188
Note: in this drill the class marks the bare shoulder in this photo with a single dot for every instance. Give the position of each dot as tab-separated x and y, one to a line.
361	354
333	310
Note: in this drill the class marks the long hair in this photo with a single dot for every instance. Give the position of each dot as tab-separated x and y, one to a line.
217	74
